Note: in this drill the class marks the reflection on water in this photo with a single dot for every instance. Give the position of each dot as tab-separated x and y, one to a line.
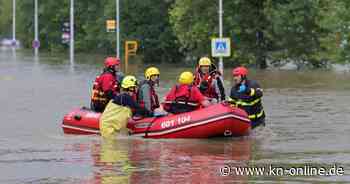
184	161
111	162
307	123
149	161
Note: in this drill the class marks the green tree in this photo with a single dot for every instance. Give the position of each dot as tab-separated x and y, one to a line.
286	29
147	21
196	22
247	20
306	32
337	20
297	31
5	17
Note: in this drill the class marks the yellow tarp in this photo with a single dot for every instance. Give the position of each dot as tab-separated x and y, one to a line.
113	119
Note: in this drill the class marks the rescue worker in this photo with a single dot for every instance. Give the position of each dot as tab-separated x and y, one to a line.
184	97
147	96
208	80
106	85
121	108
246	94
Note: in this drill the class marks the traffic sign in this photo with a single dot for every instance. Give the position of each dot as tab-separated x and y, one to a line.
14	43
65	38
110	25
36	44
65	27
221	47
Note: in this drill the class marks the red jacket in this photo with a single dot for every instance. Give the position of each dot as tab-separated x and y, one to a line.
182	96
107	81
104	88
207	86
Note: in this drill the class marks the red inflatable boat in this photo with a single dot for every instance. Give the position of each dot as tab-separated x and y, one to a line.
214	121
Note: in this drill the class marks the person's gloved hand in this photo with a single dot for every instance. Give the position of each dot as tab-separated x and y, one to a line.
159	112
242	88
213	100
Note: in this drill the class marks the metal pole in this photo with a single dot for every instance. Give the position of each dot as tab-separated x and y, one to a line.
117	27
36	49
14	21
220	18
71	43
221	64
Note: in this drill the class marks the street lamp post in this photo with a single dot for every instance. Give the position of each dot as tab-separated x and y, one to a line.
71	43
14	22
117	27
221	64
36	40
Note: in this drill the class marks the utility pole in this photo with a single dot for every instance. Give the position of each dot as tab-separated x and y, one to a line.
221	64
71	43
36	39
14	43
117	24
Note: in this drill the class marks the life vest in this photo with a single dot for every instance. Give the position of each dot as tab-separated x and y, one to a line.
201	79
153	96
117	87
134	97
251	103
180	101
98	96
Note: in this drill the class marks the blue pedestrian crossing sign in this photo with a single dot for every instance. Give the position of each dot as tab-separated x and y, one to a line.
221	47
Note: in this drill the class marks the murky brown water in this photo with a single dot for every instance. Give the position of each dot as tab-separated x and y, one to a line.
308	124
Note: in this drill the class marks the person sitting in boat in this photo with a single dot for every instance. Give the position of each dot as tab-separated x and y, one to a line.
208	80
121	108
184	97
106	85
146	95
247	94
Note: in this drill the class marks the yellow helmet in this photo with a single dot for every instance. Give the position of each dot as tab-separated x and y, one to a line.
129	81
204	61
186	78
151	71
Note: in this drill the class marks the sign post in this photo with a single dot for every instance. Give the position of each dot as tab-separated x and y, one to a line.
118	27
71	36
221	47
110	26
36	43
65	37
14	42
221	64
130	50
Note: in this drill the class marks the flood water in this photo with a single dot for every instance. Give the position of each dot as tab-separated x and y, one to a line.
307	125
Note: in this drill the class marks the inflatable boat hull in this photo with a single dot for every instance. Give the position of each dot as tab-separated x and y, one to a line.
218	120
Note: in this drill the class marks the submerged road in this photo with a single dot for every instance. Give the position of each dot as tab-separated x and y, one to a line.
307	125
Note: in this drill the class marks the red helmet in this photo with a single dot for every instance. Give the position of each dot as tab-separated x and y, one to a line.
111	61
240	71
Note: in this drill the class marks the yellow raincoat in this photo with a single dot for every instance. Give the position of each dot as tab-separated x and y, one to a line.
113	119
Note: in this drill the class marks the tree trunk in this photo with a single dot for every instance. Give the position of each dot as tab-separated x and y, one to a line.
260	40
261	51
